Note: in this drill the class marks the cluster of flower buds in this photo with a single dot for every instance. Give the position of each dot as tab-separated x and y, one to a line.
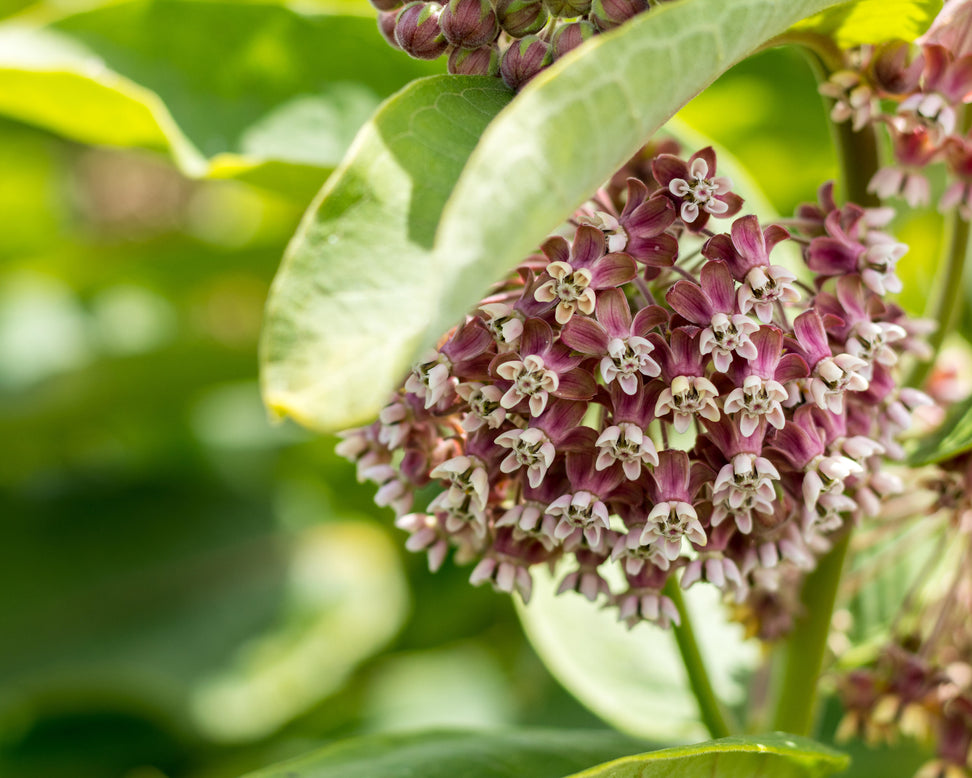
514	39
927	88
920	686
646	400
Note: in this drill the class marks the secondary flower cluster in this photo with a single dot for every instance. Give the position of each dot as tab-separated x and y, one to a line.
920	685
927	89
647	400
514	39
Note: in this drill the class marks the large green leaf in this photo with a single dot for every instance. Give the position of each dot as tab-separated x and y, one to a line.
874	21
537	754
353	298
554	754
779	755
244	90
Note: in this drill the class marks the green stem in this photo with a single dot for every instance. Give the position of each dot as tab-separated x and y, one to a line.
709	707
804	651
945	304
806	645
857	151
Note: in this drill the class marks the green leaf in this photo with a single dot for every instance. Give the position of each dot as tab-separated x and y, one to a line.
246	90
578	122
874	21
952	438
634	679
779	755
351	304
537	754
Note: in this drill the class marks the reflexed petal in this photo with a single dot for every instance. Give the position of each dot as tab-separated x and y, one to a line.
647	319
718	284
832	257
589	245
612	271
659	251
671	475
706	157
811	334
557	249
537	337
614	312
651	218
747	237
586	335
691	302
576	385
665	167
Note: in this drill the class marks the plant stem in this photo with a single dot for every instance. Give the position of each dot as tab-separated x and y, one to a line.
709	707
948	294
807	644
804	651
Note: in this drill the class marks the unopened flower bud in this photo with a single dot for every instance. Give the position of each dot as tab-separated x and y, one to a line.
469	23
386	5
610	13
523	60
386	26
568	9
521	17
483	61
569	36
418	32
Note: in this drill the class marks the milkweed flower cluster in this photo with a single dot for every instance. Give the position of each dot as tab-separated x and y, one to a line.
647	395
511	39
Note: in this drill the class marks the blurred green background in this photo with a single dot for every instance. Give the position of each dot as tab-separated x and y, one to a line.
188	590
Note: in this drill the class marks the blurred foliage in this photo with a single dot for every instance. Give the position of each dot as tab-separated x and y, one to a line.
188	590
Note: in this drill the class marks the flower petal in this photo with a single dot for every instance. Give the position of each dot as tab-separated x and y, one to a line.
665	167
691	302
719	287
614	313
589	245
612	270
747	237
585	335
537	337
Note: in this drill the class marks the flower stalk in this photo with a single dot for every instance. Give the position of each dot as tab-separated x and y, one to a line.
709	707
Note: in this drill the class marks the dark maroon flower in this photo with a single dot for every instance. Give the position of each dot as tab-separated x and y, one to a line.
712	306
746	252
577	271
695	187
618	339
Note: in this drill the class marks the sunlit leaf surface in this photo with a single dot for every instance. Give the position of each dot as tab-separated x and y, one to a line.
874	21
778	755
